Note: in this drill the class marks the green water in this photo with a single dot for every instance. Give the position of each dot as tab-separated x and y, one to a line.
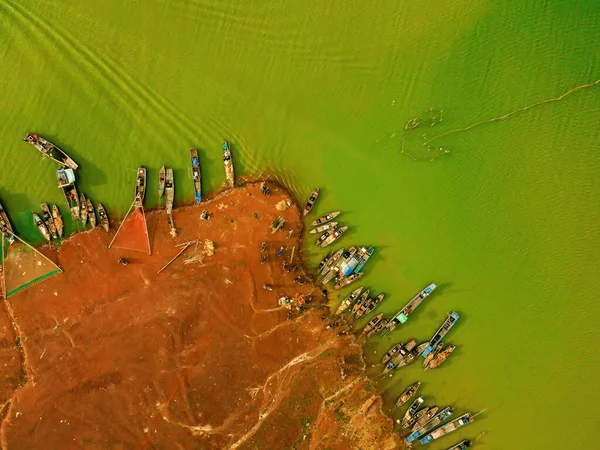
318	93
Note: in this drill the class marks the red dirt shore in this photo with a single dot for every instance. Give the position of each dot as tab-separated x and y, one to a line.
200	356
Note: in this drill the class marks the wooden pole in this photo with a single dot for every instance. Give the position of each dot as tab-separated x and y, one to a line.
122	222
292	255
175	257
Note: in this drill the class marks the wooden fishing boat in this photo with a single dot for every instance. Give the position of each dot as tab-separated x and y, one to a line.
58	221
372	323
432	354
311	201
392	352
170	190
440	357
66	181
324	262
196	175
425	417
412	409
324	219
441	332
91	213
329	261
363	256
461	445
369	306
323	228
48	220
333	271
361	301
348	300
402	316
5	226
460	422
348	280
414	418
405	355
330	275
104	222
39	223
228	163
429	425
83	212
334	236
324	236
382	323
140	186
49	150
162	176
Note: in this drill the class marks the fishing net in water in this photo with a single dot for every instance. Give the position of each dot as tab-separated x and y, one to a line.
23	265
133	232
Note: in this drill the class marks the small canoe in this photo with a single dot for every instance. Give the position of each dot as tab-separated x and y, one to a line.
140	186
324	236
440	357
49	150
66	181
48	220
162	177
104	222
91	213
348	300
5	226
361	301
83	212
170	190
323	228
228	163
324	219
461	445
311	201
196	175
345	281
413	408
58	221
334	236
382	323
39	223
407	394
372	323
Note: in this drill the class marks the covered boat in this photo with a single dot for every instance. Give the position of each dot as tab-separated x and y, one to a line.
170	190
415	418
5	226
413	408
363	257
50	150
162	176
324	219
440	357
392	352
228	163
83	212
348	300
140	186
372	323
407	394
369	306
425	417
460	422
323	228
334	236
41	226
104	222
345	281
196	175
311	201
91	213
361	301
66	181
376	329
48	220
58	221
441	332
402	316
429	425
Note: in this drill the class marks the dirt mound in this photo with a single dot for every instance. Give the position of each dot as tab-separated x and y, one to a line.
199	356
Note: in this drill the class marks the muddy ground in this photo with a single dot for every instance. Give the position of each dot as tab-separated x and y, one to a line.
197	357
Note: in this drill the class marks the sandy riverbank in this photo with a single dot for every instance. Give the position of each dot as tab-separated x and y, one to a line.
199	356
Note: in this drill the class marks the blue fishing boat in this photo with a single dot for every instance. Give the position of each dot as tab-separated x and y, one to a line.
448	428
441	332
196	175
363	257
429	425
402	316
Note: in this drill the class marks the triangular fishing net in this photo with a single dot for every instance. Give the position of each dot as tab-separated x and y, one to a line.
133	232
23	265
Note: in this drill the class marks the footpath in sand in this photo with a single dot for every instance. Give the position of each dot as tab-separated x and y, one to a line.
200	356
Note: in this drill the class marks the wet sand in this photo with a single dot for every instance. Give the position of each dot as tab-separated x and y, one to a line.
199	356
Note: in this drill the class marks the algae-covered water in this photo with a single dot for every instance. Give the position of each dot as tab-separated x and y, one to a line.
318	94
